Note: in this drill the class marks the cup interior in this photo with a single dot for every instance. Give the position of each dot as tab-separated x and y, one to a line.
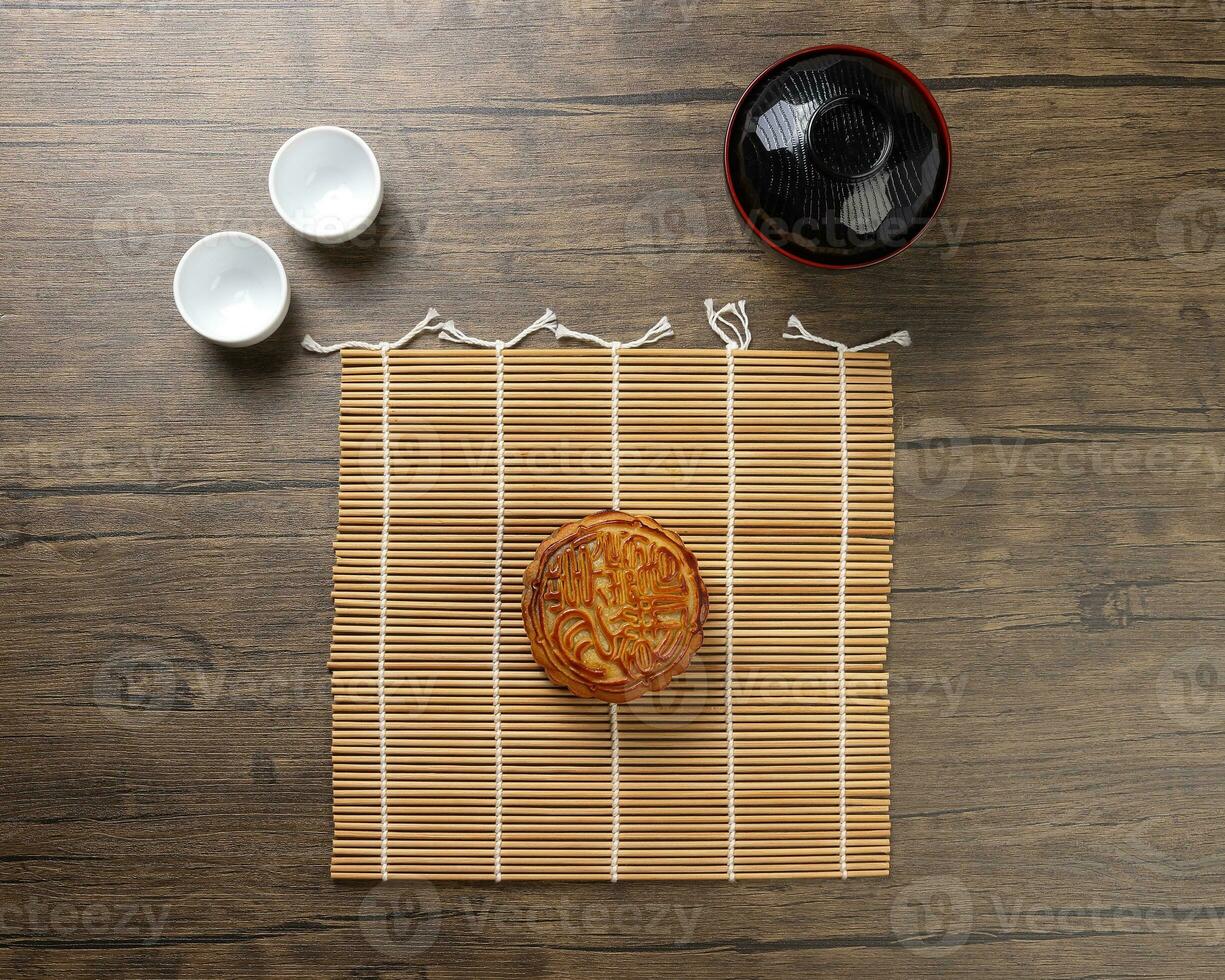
325	183
231	288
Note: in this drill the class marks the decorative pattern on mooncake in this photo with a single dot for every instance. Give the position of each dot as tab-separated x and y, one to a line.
614	606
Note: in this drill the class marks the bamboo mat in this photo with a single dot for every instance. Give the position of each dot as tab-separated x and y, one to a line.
556	817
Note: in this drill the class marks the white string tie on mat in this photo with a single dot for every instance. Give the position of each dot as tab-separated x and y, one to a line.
903	338
656	333
495	666
614	423
384	541
734	333
731	323
546	321
614	724
450	332
315	347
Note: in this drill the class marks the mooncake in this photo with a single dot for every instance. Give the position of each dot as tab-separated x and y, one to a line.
614	606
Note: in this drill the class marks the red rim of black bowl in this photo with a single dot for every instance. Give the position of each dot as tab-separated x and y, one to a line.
945	141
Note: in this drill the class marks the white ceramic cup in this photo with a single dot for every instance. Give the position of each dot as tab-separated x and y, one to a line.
231	288
325	183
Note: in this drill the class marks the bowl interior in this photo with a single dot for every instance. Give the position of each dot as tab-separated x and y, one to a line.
231	288
837	157
325	182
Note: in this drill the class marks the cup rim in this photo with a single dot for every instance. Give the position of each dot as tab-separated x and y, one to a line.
267	329
350	231
946	143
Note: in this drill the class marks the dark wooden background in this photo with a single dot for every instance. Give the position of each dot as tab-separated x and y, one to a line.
1058	659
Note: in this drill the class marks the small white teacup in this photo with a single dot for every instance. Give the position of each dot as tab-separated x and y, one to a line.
231	288
326	184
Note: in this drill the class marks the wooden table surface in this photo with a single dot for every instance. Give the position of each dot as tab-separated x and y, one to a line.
1058	656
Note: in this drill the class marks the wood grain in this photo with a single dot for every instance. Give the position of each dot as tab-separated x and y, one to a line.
168	507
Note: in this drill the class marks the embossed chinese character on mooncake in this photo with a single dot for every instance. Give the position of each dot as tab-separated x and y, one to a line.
613	606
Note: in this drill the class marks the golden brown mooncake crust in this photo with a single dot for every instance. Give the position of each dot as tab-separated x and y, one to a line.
614	606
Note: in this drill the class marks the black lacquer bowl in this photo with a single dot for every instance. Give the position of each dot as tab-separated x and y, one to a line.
837	157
